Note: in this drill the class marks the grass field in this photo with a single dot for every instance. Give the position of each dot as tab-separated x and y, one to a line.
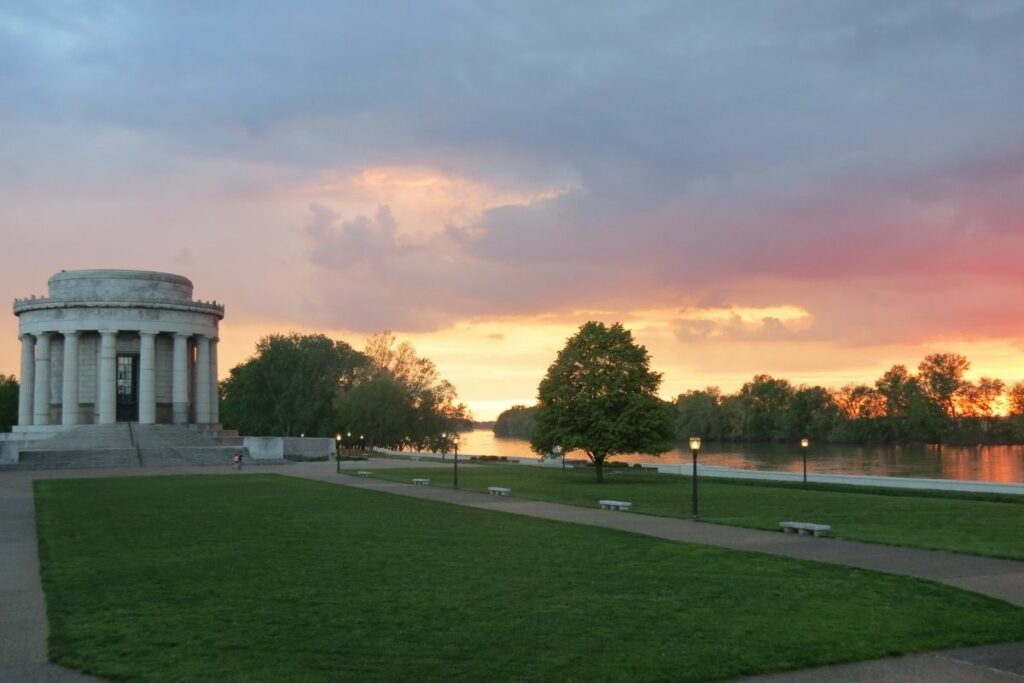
267	578
967	523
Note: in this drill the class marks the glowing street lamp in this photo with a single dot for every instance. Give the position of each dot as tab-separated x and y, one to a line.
455	446
804	443
337	453
694	447
444	444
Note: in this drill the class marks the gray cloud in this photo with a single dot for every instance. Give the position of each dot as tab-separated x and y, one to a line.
711	146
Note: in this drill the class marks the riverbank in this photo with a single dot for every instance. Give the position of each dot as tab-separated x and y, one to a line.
686	470
996	464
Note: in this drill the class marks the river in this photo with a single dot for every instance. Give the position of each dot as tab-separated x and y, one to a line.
1004	464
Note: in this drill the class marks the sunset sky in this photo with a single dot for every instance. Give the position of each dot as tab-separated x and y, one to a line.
807	189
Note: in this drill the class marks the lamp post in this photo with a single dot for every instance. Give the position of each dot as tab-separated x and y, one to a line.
362	443
557	450
694	447
804	443
444	444
455	447
337	453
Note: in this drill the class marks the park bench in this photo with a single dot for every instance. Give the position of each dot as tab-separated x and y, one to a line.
421	482
805	528
364	473
615	505
499	490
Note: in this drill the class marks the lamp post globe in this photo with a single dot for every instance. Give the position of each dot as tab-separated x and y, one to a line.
455	448
694	448
804	444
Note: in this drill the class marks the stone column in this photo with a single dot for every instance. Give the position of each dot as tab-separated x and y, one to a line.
69	394
179	380
214	386
107	374
147	378
203	390
26	382
41	395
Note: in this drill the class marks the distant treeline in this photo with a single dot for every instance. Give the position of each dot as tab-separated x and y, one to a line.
935	405
516	422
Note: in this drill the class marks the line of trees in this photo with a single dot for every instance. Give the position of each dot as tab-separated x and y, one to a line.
937	404
314	386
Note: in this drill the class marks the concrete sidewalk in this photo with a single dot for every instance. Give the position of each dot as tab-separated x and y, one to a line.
23	627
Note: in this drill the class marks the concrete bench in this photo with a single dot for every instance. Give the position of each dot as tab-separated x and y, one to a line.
615	505
805	528
498	490
421	482
364	473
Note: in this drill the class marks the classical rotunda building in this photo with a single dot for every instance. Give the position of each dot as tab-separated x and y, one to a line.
109	346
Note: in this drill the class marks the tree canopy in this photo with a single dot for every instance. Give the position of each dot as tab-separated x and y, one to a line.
599	396
401	399
309	384
516	422
289	387
936	405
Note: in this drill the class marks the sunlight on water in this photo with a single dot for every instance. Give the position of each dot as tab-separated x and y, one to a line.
1003	464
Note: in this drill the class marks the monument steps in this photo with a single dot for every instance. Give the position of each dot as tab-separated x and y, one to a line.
161	436
180	456
56	459
85	437
134	445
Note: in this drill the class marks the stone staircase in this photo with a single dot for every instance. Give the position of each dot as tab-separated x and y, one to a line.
57	459
133	445
84	438
171	456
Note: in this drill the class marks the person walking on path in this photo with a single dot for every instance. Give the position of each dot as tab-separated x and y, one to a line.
238	460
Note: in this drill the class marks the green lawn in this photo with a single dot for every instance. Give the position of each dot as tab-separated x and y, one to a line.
267	578
967	523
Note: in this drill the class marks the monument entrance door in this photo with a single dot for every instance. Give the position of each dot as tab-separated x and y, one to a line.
127	388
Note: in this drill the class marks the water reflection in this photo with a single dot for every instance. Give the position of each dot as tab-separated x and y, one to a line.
1004	464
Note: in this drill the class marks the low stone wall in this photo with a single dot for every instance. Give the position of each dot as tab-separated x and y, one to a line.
9	452
288	448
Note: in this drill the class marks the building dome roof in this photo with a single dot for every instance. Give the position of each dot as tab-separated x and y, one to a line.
119	285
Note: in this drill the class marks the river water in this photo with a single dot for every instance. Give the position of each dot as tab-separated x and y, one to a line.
1003	464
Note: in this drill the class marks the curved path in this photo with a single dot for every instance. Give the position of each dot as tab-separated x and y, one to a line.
23	628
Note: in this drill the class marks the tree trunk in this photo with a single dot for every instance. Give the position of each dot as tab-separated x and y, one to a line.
599	468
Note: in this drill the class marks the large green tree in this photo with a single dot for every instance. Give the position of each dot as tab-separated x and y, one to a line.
600	396
8	402
290	386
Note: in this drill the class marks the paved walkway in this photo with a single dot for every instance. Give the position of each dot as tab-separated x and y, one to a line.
23	626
